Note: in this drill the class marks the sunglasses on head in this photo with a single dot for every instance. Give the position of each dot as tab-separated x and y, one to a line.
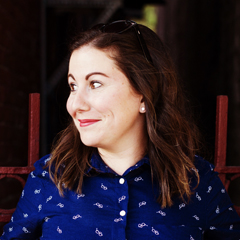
122	26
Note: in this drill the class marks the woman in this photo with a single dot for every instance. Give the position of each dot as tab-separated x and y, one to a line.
125	168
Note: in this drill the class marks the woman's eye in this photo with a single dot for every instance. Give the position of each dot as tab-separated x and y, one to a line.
73	87
94	84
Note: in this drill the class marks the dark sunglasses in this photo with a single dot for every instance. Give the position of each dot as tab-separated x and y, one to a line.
122	26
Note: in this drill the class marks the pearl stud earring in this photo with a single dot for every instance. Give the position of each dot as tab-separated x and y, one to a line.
143	109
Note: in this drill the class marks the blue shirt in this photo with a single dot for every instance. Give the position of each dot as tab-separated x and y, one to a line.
122	207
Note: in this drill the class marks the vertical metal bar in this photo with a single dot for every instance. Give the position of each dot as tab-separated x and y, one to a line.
221	134
33	128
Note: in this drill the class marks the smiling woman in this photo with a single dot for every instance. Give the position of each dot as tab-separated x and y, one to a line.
126	166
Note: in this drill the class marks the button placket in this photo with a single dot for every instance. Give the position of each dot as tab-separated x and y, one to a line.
122	197
121	207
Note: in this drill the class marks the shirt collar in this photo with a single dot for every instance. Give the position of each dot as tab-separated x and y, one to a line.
98	164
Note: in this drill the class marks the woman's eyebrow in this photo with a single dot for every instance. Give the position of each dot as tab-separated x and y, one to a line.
95	73
71	76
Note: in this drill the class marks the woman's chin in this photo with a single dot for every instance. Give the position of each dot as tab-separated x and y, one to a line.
89	142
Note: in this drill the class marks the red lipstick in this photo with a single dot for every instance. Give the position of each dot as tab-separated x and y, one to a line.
87	122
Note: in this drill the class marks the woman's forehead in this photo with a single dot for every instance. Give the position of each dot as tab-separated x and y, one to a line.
89	58
88	52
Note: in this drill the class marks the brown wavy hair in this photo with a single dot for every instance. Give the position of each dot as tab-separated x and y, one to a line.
172	135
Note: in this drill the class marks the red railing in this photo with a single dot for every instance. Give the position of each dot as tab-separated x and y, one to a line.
33	151
221	146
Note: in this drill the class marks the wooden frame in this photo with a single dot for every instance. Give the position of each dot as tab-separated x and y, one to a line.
221	146
33	151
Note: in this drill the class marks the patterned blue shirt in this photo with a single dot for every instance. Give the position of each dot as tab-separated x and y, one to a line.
122	207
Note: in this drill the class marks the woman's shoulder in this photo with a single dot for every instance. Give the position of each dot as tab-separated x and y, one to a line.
207	175
203	166
41	168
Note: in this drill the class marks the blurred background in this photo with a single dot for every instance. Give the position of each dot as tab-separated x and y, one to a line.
203	38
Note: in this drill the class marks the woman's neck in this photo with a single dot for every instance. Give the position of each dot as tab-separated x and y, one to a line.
120	160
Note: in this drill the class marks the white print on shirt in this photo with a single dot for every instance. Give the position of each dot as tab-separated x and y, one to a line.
195	170
137	179
230	209
209	189
121	198
44	173
118	219
59	230
39	207
212	228
60	205
76	217
25	215
48	159
98	205
161	213
211	168
100	234
142	203
141	225
12	219
10	229
25	230
155	231
191	238
46	219
37	191
22	193
32	175
103	187
231	227
217	210
196	217
48	199
181	205
223	190
80	195
198	197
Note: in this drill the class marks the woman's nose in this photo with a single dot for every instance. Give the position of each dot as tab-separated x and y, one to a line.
78	102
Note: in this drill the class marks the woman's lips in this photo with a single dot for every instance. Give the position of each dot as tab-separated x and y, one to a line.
87	122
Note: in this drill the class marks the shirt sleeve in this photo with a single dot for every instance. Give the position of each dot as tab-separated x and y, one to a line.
27	219
222	221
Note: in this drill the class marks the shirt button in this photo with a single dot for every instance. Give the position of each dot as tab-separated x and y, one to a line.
121	180
122	213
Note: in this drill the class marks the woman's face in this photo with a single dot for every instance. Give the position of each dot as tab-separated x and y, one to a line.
103	105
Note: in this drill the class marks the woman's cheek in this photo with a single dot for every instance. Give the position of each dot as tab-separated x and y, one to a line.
68	106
